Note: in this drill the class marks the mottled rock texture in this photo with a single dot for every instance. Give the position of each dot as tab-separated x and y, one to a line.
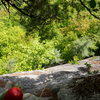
62	82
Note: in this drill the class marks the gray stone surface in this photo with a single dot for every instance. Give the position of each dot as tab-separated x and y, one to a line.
82	88
65	94
28	96
62	79
32	85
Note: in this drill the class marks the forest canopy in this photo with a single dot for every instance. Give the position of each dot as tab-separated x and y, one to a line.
49	9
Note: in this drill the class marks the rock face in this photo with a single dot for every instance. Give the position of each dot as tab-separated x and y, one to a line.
83	88
28	96
63	82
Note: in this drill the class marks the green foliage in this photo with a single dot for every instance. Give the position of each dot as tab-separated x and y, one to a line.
92	3
82	48
75	60
18	53
88	65
29	44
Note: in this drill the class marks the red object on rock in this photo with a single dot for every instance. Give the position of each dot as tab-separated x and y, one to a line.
14	94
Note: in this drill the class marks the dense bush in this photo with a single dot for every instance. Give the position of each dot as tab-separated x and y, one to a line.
21	53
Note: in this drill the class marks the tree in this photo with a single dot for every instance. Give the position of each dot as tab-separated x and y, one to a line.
94	6
49	9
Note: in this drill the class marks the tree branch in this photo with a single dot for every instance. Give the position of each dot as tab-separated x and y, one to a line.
89	10
20	10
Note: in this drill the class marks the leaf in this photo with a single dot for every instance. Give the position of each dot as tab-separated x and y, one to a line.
92	3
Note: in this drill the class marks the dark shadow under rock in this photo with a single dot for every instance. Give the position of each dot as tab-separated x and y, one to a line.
83	88
87	86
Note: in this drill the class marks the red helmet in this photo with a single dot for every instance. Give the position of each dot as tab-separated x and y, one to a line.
14	94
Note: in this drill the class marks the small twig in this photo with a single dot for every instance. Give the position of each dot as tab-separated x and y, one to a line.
43	90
